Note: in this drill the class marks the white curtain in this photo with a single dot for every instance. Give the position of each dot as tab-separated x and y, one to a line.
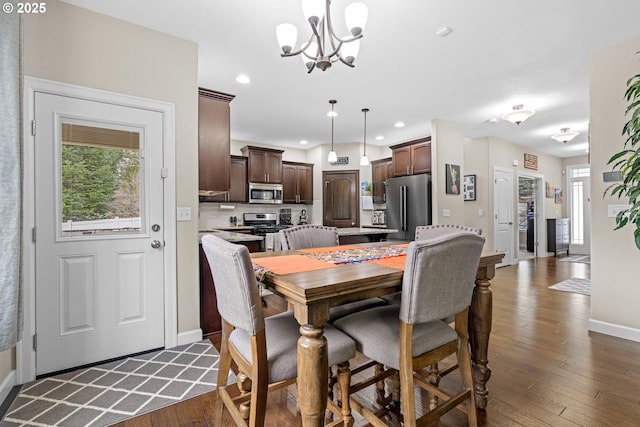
11	315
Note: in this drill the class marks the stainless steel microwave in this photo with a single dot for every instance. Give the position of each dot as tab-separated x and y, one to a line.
265	193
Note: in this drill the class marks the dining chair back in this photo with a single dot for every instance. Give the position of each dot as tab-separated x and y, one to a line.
438	282
264	349
308	236
430	231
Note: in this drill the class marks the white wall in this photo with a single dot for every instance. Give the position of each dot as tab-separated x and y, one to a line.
73	45
480	157
615	290
447	147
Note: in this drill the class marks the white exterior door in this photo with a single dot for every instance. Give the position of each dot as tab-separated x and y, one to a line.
503	229
99	280
579	197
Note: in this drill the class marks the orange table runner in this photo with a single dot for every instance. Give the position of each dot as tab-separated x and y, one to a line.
396	262
328	249
288	264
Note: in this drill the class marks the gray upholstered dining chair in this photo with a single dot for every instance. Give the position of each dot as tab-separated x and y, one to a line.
318	236
308	236
264	349
438	282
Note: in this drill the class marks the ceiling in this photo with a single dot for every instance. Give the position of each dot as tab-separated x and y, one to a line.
500	53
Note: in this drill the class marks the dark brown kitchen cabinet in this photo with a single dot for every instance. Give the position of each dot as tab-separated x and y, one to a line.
558	235
265	164
210	320
381	170
238	191
411	158
214	141
297	182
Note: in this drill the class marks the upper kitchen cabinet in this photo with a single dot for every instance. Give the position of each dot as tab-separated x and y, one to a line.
239	189
297	182
411	158
265	164
214	142
381	170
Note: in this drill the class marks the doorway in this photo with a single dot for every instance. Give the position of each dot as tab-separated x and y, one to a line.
503	228
340	198
526	218
99	271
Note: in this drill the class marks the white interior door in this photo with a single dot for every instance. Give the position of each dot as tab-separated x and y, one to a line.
99	231
503	227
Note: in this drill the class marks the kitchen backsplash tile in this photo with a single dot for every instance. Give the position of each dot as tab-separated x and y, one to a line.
213	216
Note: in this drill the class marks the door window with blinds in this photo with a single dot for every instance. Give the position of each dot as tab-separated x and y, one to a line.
100	177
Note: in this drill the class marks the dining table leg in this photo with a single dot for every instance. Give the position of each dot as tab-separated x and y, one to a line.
480	314
313	374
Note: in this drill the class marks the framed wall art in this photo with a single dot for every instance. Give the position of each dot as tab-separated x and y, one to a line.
452	179
469	187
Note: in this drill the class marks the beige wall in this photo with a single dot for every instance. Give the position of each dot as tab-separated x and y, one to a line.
480	157
7	364
72	45
447	147
615	259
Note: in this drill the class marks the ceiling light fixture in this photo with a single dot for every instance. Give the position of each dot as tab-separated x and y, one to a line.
323	47
364	160
243	79
399	124
518	115
565	136
333	157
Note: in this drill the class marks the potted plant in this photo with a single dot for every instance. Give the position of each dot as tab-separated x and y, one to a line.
627	162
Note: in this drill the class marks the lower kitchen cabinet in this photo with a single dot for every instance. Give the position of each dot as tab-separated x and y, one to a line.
210	320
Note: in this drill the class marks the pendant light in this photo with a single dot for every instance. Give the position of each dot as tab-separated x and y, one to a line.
364	160
518	114
333	157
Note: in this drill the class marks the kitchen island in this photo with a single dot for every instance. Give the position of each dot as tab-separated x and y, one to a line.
351	235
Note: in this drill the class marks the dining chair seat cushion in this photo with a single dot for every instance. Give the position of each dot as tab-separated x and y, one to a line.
377	334
282	334
343	310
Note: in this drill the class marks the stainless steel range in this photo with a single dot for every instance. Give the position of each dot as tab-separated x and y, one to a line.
265	224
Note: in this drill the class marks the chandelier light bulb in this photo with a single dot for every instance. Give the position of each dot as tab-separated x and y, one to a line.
286	35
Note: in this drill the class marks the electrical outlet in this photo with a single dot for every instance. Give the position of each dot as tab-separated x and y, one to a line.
183	214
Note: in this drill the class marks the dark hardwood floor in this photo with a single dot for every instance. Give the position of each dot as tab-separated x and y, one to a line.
547	369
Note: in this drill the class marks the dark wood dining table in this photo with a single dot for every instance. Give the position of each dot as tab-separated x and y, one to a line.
316	287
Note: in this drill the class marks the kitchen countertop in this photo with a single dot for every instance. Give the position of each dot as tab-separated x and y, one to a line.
230	236
355	231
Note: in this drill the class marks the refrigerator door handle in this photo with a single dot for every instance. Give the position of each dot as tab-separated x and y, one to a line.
403	203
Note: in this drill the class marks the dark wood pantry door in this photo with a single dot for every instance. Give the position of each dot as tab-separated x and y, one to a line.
340	198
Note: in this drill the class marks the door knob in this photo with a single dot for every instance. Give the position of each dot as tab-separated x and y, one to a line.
156	244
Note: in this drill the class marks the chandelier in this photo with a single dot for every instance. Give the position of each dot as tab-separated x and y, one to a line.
564	135
518	115
324	47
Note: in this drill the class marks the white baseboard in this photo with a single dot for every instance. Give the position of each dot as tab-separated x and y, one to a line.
614	330
189	337
7	384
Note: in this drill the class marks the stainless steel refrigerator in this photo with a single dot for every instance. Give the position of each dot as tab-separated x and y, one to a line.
408	205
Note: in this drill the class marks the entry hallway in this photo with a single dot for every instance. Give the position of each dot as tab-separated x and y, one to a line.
546	368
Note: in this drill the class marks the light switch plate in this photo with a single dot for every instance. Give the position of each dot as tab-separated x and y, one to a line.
613	210
183	214
446	212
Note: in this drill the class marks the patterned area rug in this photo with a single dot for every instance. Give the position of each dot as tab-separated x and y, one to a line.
106	394
575	285
586	259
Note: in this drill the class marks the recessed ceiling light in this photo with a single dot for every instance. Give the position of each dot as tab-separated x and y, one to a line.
243	79
379	137
444	31
304	142
399	124
332	113
492	120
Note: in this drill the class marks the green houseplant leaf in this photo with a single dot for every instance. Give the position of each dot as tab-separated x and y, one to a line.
627	161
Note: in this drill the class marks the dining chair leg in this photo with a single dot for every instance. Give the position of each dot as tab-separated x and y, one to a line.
394	385
406	375
378	369
464	364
